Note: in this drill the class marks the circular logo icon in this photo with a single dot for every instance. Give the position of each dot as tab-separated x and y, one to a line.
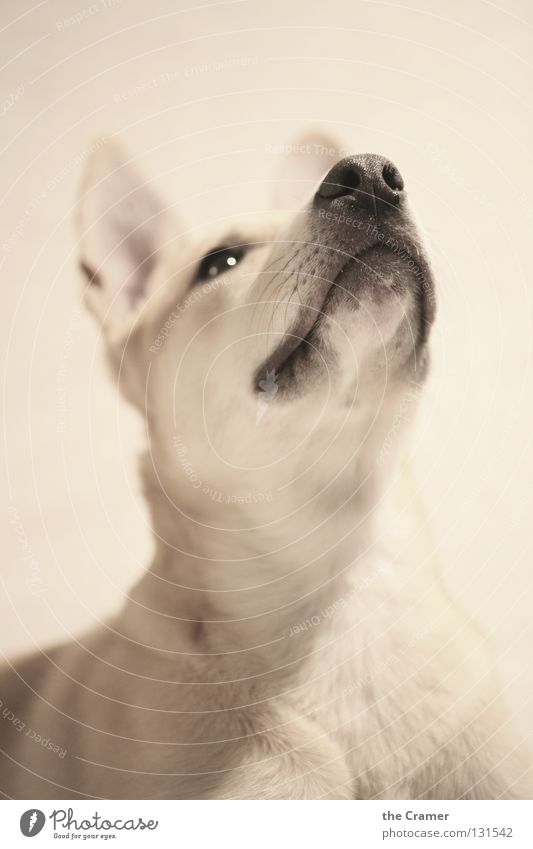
32	822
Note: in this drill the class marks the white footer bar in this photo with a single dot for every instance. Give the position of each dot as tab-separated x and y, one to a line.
268	825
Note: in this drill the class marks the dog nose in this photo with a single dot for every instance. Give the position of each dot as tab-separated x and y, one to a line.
370	181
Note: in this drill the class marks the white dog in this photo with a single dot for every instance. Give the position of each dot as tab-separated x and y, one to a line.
291	638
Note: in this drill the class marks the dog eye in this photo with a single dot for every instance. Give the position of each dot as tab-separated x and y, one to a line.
217	262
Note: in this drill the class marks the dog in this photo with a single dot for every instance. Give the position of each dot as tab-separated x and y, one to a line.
291	638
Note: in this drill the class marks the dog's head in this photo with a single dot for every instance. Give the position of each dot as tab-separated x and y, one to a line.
272	359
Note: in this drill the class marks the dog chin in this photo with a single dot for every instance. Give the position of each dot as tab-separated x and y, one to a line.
375	273
371	315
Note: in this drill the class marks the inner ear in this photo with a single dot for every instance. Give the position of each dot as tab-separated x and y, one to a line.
307	160
123	228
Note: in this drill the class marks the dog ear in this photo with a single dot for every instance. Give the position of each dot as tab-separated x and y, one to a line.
122	227
307	160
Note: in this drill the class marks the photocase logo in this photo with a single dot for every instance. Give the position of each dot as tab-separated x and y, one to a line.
268	388
32	822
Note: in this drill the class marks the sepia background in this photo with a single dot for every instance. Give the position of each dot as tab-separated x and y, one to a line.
205	94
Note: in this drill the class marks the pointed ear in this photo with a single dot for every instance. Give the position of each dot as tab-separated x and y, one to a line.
308	159
122	228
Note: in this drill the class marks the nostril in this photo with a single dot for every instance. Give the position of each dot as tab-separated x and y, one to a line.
352	180
341	184
392	177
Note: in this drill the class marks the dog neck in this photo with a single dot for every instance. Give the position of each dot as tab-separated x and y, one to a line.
215	591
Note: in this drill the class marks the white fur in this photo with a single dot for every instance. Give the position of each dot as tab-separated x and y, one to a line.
291	638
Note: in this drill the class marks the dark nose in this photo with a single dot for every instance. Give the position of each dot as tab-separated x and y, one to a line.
372	182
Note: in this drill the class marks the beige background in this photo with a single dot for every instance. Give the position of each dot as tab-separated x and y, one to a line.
204	94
